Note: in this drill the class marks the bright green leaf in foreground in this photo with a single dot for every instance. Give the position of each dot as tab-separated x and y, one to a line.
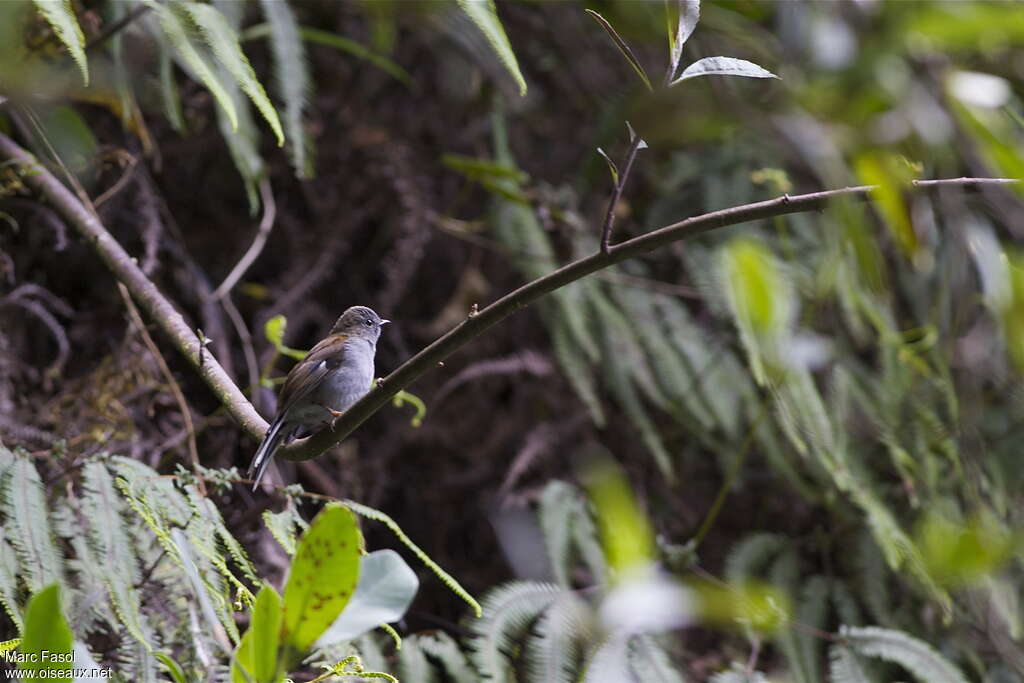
485	16
61	16
889	175
962	554
323	576
256	656
47	637
625	532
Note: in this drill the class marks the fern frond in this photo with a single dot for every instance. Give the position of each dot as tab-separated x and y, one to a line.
223	42
554	652
509	610
28	526
442	648
751	555
291	80
60	14
554	513
446	578
610	662
650	663
916	656
413	664
9	581
177	32
285	525
846	667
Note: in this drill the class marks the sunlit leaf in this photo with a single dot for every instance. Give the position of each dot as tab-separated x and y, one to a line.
625	532
47	640
176	32
890	176
722	66
257	653
223	41
485	16
753	605
61	16
322	578
689	15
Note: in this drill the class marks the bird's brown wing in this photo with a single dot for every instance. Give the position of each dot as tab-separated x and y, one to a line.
309	372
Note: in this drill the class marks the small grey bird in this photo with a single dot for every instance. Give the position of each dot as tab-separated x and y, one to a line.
335	374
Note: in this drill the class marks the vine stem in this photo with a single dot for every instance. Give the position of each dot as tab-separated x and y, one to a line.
184	339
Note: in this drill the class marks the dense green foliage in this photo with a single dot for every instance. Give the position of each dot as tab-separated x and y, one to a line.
813	417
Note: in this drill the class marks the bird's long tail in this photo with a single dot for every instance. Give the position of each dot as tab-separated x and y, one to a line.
265	452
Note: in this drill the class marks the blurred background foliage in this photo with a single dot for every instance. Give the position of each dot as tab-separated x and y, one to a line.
814	417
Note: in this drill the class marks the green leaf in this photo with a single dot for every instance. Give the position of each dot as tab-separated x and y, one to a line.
291	79
625	531
340	43
223	40
322	578
386	587
914	655
274	332
176	32
722	66
886	173
623	47
61	16
485	16
257	653
47	637
172	668
27	525
689	15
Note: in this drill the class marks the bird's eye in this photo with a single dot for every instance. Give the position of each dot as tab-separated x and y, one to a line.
368	322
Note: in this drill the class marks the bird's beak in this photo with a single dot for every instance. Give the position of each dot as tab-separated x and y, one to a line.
384	322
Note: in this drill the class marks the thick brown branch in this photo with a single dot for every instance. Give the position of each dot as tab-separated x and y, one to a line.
145	293
185	340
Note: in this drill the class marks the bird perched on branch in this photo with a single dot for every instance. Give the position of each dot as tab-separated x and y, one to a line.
335	374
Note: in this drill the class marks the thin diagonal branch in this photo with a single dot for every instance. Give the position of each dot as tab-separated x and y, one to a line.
620	183
253	252
143	291
184	339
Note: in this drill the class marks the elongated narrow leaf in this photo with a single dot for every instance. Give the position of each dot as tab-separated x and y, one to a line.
291	79
177	34
47	641
61	16
689	15
623	47
722	66
256	655
223	40
322	578
485	16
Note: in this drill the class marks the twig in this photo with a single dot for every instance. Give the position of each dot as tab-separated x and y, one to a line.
145	293
116	27
253	252
620	182
35	175
179	397
469	329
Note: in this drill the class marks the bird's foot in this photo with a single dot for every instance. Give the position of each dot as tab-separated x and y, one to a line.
335	414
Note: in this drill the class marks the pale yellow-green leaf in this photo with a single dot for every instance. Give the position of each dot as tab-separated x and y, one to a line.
223	41
61	16
485	16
